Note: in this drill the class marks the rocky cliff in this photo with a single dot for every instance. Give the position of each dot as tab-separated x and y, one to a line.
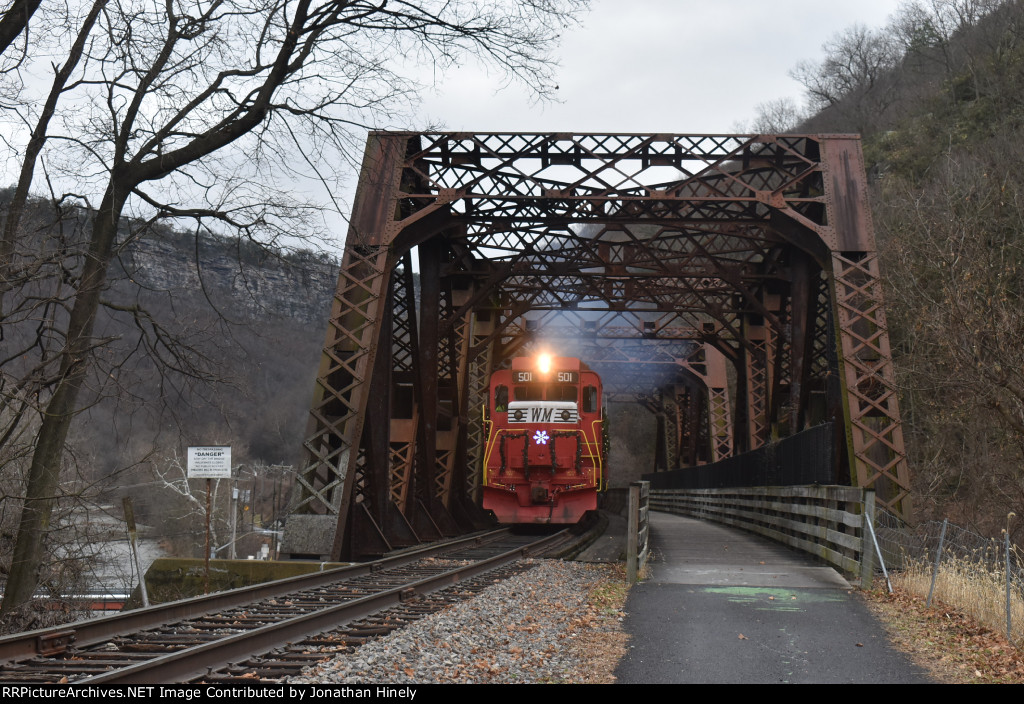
297	287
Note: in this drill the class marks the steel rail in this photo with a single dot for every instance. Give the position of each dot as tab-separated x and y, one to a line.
198	661
51	641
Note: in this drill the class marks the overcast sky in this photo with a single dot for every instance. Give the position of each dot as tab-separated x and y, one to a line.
683	66
677	66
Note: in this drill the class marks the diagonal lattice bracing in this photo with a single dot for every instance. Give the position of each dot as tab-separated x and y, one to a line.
871	400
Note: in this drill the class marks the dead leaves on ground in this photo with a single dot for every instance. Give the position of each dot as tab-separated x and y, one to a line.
949	644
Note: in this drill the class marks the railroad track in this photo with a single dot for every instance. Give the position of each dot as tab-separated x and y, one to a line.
269	630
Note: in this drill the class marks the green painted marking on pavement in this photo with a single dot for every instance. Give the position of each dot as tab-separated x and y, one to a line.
783	598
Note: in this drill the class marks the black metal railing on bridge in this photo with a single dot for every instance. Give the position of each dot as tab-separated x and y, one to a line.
805	458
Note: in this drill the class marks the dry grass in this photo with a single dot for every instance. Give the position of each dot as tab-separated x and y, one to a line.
974	585
949	644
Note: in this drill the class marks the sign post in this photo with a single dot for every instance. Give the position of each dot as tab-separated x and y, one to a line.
133	545
211	462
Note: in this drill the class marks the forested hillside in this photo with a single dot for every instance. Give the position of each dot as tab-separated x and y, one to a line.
938	95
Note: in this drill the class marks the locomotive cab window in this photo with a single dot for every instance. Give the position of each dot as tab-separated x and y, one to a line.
562	392
530	392
500	399
590	399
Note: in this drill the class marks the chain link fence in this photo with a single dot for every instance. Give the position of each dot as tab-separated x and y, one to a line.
941	561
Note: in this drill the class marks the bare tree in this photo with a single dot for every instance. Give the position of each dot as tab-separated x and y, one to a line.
777	116
189	112
172	477
37	139
940	32
857	76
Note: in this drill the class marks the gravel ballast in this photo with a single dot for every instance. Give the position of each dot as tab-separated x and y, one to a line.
558	622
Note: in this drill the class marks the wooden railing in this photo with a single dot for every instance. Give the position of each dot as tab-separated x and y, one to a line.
825	521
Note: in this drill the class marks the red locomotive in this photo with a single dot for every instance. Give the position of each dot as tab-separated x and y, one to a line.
545	455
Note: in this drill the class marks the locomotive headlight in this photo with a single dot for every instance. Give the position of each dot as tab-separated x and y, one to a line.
544	363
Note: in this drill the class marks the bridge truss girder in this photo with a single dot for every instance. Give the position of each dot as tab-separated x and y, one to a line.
740	271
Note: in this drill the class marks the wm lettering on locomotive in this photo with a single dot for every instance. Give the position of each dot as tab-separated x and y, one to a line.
542	412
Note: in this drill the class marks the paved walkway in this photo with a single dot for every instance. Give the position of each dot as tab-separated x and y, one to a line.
723	606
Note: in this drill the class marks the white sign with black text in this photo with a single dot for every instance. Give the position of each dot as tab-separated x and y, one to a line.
209	462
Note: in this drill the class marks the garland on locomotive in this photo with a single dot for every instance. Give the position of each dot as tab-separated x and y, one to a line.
544	461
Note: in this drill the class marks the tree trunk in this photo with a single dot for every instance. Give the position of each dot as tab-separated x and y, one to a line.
15	20
35	145
44	472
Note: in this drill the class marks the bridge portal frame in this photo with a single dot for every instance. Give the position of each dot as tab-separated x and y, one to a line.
758	248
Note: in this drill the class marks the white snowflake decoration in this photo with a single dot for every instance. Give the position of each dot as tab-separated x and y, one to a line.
541	437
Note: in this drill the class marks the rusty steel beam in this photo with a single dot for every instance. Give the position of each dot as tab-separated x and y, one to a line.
757	373
321	503
874	432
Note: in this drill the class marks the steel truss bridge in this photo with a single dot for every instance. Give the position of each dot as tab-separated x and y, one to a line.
729	283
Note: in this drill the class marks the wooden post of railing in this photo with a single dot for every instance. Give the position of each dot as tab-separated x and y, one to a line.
637	530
